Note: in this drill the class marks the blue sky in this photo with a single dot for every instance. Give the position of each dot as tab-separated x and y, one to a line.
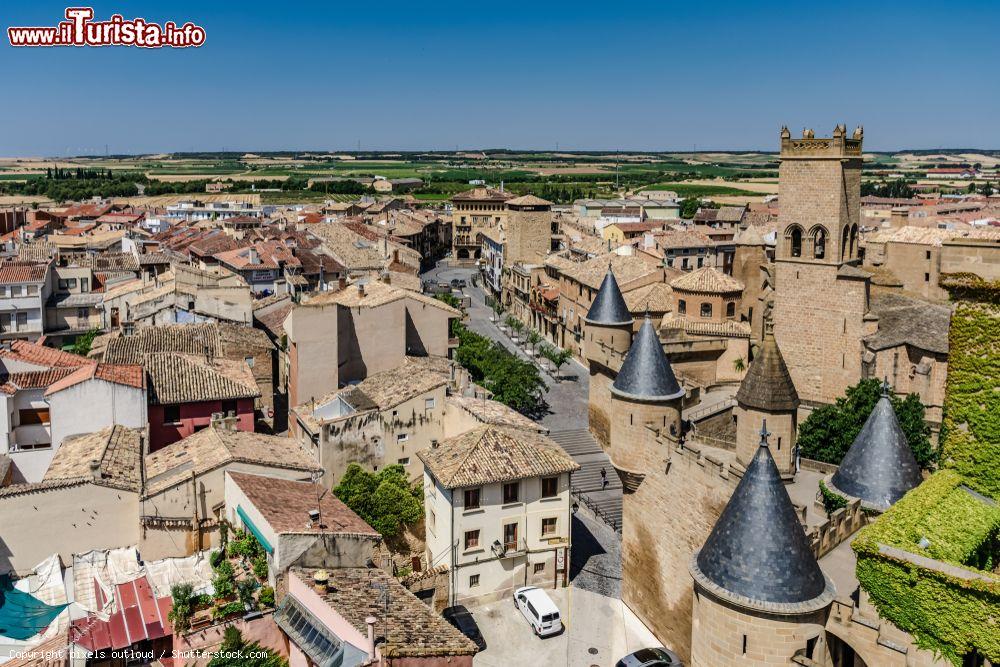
440	75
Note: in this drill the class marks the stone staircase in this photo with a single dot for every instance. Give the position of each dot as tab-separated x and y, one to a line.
604	500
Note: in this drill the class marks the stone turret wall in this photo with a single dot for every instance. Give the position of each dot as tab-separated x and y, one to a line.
606	347
724	635
781	426
666	519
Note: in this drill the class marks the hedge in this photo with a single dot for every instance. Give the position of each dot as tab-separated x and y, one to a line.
945	614
971	424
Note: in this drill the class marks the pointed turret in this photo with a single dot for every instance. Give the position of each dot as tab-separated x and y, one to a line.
646	374
757	555
768	385
879	468
609	307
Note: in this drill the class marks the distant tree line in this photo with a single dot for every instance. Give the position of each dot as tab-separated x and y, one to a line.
897	189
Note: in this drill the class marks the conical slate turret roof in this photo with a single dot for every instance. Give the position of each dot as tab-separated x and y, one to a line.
758	554
768	384
646	373
879	467
609	305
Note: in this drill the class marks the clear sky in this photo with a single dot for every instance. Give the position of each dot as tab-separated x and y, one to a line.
439	75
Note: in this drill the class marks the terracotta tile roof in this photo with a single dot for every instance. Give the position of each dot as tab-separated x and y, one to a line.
21	272
221	339
493	413
627	269
411	628
730	214
117	448
682	238
177	378
909	234
285	505
36	251
528	200
126	375
351	249
213	244
213	447
33	353
491	454
631	227
768	384
272	319
657	297
729	328
376	293
269	255
483	194
105	261
15	382
706	280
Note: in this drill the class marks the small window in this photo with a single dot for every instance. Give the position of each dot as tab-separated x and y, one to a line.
429	403
32	290
731	309
927	277
405	461
15	290
510	536
402	437
549	526
248	361
682	307
511	492
706	310
85	284
32	416
171	414
539	568
82	313
471	539
473	580
927	254
550	487
21	319
472	499
229	407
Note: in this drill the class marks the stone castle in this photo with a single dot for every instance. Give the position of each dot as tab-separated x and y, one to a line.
717	559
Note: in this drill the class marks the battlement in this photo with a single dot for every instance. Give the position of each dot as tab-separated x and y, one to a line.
810	147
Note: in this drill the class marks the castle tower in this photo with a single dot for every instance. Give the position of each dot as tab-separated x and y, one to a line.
821	298
529	230
767	394
750	266
879	468
760	596
644	394
607	337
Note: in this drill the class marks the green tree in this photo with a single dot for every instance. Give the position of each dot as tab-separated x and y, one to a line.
386	499
183	607
83	343
236	652
829	431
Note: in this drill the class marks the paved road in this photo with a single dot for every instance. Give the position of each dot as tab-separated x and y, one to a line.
596	547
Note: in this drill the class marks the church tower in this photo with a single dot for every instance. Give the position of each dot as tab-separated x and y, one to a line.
821	298
767	394
751	267
607	337
760	597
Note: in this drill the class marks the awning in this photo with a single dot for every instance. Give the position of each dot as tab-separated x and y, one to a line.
22	615
254	530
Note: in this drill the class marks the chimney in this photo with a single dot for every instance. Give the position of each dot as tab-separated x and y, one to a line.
361	289
342	283
252	255
95	469
387	277
370	622
320	580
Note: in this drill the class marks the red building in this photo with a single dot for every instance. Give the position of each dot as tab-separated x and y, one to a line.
186	390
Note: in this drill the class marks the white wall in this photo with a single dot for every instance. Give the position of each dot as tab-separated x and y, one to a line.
94	405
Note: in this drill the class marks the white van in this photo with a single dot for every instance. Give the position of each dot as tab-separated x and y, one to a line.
539	609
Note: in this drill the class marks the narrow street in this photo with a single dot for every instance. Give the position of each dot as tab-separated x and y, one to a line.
599	627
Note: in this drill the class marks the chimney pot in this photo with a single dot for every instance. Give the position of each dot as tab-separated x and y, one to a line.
95	469
361	289
342	282
370	622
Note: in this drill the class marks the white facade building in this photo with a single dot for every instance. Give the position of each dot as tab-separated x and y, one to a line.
498	511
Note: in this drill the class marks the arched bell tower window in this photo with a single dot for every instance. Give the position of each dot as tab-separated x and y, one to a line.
795	242
844	247
819	243
854	241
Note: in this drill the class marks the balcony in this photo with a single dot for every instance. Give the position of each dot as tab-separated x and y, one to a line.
513	549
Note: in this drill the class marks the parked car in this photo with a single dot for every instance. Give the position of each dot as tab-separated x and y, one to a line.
539	610
651	657
458	283
462	619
